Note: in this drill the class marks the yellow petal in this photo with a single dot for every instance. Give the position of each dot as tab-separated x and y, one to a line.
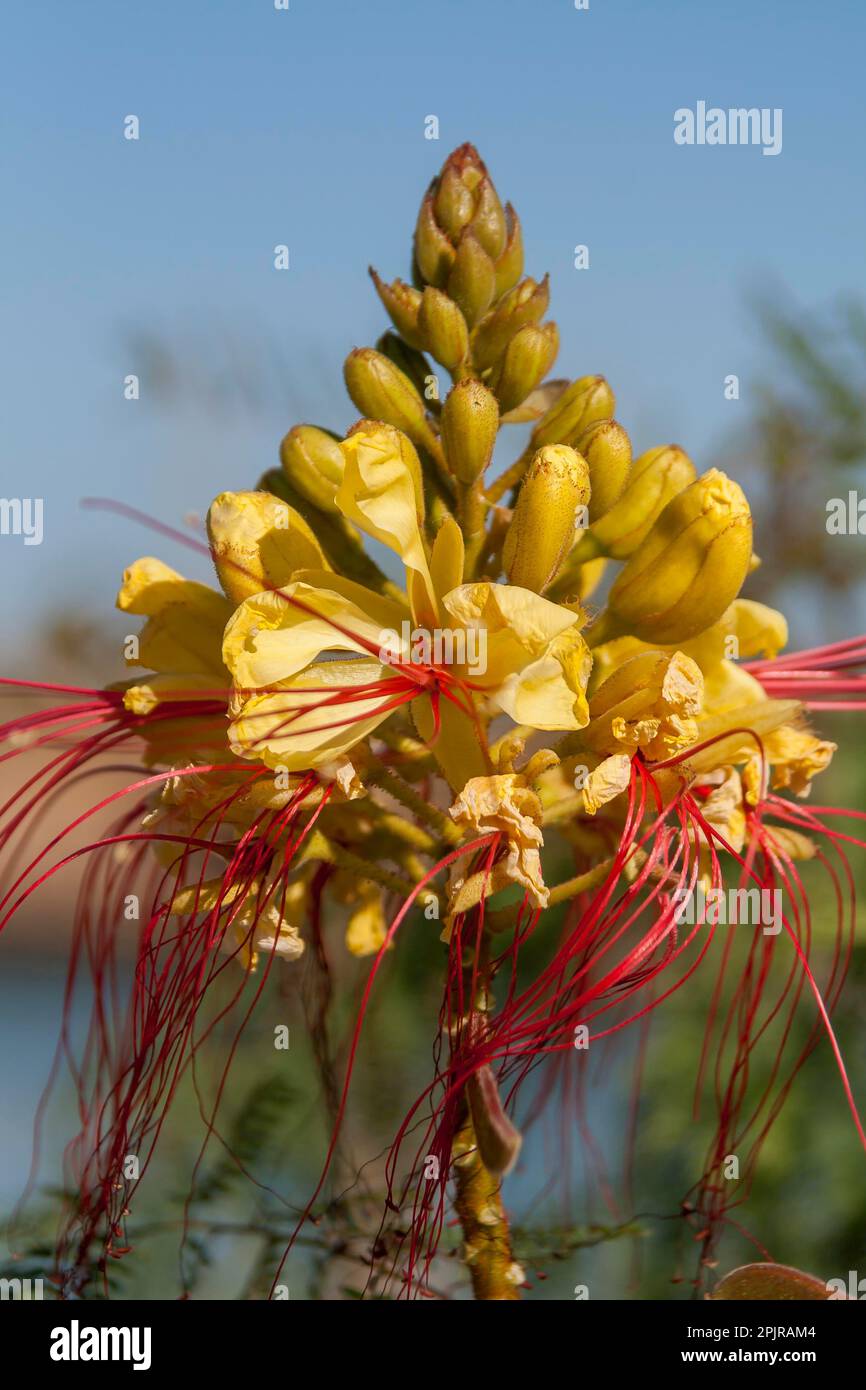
796	756
507	609
144	696
378	494
458	748
367	928
273	636
608	780
760	630
504	803
735	731
791	842
537	663
446	561
203	897
727	686
185	619
550	692
295	726
259	542
649	702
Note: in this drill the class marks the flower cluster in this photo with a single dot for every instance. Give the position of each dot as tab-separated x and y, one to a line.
628	733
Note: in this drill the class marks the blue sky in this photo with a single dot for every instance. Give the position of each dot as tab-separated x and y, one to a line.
307	127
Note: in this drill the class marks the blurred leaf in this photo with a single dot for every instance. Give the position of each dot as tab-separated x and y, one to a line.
768	1281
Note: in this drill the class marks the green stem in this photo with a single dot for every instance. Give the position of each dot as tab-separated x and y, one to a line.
390	781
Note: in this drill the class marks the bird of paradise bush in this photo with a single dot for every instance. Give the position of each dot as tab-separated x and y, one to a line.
314	739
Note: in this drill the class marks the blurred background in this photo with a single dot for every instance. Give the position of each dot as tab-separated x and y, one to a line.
155	258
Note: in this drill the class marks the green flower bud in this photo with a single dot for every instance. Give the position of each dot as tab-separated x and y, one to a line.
453	201
472	278
470	421
434	254
489	224
690	566
411	363
657	476
526	303
552	498
442	329
525	362
464	197
313	463
581	404
402	303
382	392
509	266
607	449
460	204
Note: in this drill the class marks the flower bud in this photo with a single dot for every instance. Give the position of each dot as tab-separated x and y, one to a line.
411	363
464	197
434	254
607	449
402	303
313	464
526	303
461	205
580	405
509	266
382	392
453	201
541	534
442	329
689	567
470	421
497	1138
657	476
472	278
488	224
525	362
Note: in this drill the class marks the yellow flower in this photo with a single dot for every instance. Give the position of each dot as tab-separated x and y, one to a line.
182	638
299	700
794	756
181	644
505	804
649	702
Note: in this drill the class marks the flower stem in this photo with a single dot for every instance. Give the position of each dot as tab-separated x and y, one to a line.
391	782
487	1239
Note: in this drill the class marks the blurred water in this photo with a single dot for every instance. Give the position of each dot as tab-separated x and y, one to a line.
31	1002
